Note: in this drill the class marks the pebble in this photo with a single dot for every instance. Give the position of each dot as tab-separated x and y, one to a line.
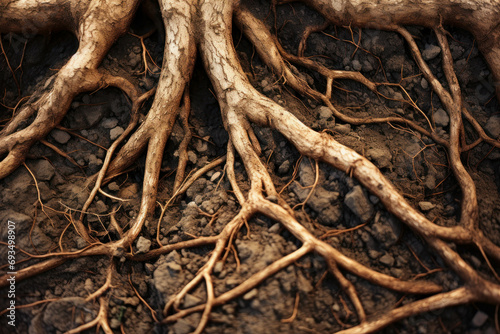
129	192
303	284
387	260
215	176
114	323
62	137
358	203
115	132
94	113
426	206
143	245
101	207
384	234
479	319
424	84
182	326
343	128
190	301
219	265
492	127
284	167
192	157
113	186
324	112
43	170
373	254
381	156
441	118
275	228
431	52
356	65
250	294
109	123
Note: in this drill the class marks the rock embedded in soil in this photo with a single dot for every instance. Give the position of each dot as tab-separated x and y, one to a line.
115	132
59	136
387	260
343	128
324	112
441	118
431	52
426	206
381	156
143	245
109	123
359	204
492	127
43	170
479	319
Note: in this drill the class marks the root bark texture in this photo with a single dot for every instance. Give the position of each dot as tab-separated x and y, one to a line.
205	28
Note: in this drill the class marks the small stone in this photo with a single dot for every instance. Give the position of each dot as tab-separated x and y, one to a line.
129	192
89	285
284	167
324	112
381	156
43	170
356	65
190	301
387	260
45	192
373	254
424	84
396	272
426	206
275	228
62	137
115	132
192	157
367	66
114	323
492	127
398	96
359	204
113	186
149	267
109	123
431	52
250	294
343	128
303	284
215	176
93	113
101	207
479	319
441	118
182	326
219	265
143	245
336	307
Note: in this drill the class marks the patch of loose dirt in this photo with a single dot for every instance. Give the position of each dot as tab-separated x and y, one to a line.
412	162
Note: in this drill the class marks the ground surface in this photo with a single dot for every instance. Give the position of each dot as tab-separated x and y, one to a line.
412	162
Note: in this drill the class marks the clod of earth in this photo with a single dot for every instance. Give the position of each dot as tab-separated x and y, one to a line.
214	243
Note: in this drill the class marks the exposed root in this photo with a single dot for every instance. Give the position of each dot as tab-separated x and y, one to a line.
241	106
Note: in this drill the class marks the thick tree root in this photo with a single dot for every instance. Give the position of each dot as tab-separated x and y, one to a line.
241	106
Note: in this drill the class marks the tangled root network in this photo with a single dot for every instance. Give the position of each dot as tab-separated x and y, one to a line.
160	107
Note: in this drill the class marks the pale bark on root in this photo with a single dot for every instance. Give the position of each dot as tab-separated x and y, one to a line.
208	27
240	102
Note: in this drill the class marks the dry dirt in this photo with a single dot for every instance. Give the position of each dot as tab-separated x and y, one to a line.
413	162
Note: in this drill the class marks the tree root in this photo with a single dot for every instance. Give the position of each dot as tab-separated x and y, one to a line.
241	106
